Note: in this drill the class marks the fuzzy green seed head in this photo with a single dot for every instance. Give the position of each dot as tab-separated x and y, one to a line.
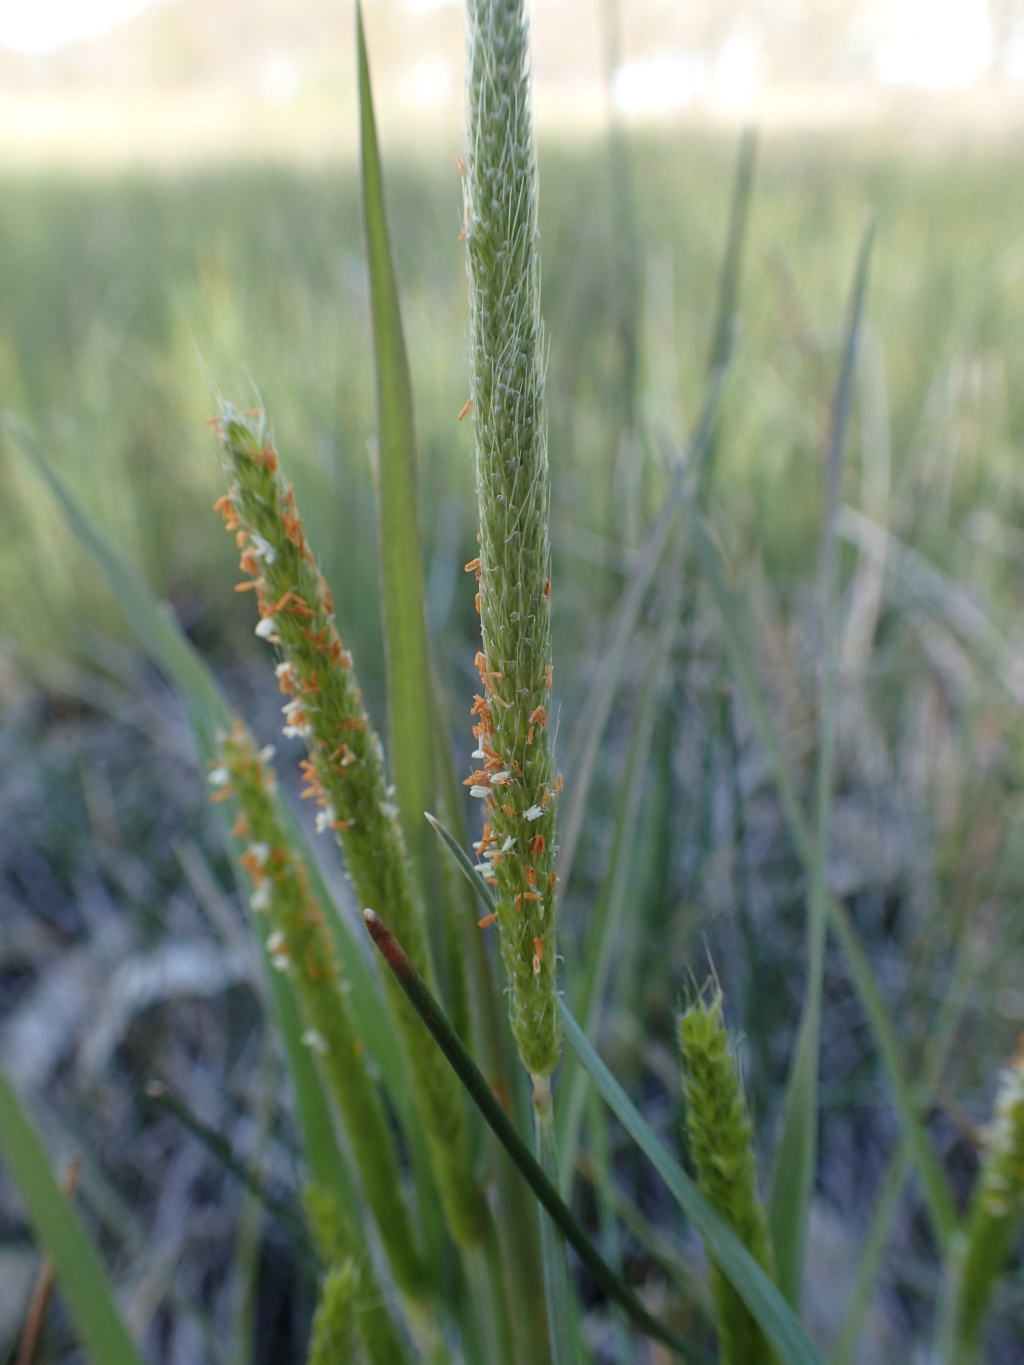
997	1207
345	774
719	1131
514	762
300	944
333	1340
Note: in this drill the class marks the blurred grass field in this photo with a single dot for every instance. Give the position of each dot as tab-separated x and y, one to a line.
123	298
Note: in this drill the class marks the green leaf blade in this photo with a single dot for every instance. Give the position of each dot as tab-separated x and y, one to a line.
405	632
83	1282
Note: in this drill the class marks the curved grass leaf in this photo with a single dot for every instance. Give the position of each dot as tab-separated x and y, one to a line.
83	1282
797	1147
775	1317
480	1092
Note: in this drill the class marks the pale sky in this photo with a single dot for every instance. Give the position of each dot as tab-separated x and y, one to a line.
924	43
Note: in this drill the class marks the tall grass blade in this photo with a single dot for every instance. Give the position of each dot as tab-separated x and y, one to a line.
797	1147
729	281
605	924
83	1282
775	1317
738	634
562	1314
498	1120
593	716
845	1350
410	721
152	621
219	1148
691	478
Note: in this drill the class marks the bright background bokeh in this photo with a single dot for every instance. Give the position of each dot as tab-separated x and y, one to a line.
104	81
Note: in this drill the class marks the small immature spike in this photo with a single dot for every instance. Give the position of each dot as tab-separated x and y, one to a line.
719	1133
996	1210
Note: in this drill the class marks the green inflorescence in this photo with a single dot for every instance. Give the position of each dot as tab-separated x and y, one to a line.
345	773
300	943
355	1293
515	774
996	1210
719	1131
333	1338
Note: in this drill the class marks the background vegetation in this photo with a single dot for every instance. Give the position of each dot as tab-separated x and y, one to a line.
116	298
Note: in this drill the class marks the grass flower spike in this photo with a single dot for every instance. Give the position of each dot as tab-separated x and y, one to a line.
514	775
350	1295
996	1210
719	1130
344	772
300	943
333	1337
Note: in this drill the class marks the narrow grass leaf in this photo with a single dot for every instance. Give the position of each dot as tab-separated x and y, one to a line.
605	923
562	1314
465	865
83	1282
410	718
593	716
870	1261
220	1148
738	634
729	281
498	1120
796	1150
152	620
773	1314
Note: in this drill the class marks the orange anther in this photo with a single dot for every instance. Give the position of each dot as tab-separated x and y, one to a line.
486	921
466	408
538	845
